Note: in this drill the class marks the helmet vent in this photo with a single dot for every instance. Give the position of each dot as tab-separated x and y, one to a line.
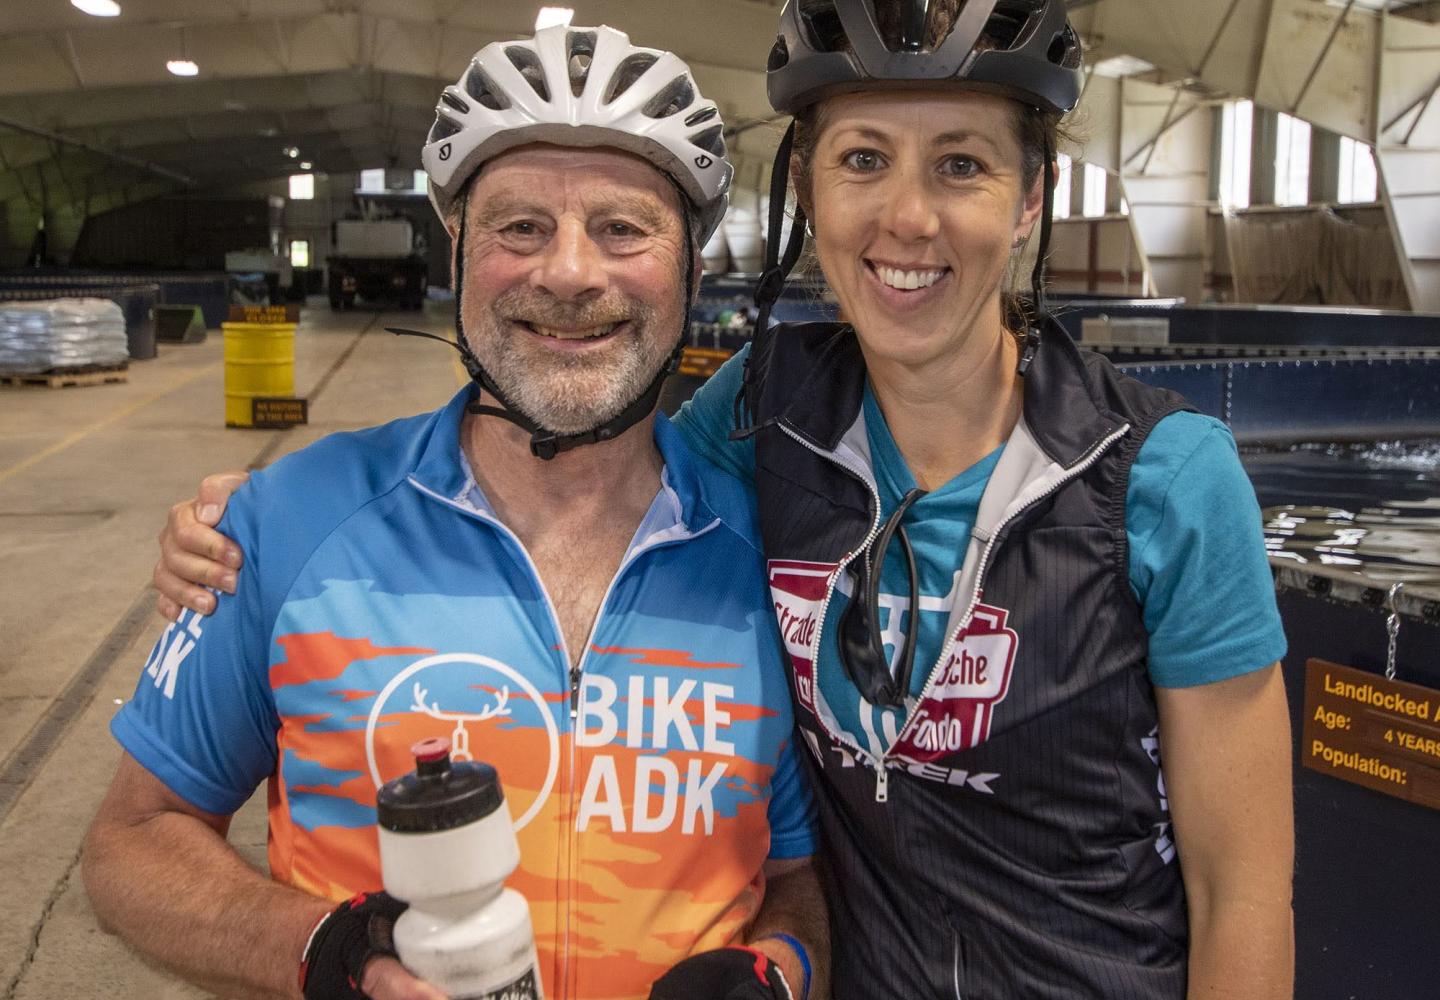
701	116
581	45
455	103
528	63
630	69
674	98
712	140
1065	50
483	89
779	56
827	32
1007	24
443	129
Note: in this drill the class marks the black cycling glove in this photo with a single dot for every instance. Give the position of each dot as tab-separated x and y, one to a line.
724	974
356	931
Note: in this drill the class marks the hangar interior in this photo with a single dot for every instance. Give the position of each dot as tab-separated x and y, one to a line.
1250	213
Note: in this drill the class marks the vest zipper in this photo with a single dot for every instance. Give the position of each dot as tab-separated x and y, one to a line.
882	780
955	961
1027	501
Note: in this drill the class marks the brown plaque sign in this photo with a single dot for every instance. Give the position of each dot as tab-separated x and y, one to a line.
277	413
702	362
1375	732
265	314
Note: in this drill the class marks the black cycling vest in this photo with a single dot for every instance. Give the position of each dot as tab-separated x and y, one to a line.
1017	841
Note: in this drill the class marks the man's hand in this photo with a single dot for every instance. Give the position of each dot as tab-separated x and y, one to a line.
352	955
193	555
724	974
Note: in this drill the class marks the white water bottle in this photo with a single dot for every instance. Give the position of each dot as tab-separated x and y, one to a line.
446	847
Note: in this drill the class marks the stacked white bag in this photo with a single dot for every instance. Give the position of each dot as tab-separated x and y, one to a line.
61	333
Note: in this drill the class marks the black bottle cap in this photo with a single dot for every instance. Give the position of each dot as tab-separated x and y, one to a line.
438	794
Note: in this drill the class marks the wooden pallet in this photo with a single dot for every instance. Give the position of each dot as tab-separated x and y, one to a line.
59	378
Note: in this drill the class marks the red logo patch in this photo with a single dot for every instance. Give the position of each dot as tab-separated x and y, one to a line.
798	589
957	711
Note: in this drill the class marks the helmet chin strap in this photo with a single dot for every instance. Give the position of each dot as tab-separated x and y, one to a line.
1037	277
545	444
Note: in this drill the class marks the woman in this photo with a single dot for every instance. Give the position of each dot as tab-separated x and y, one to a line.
1011	580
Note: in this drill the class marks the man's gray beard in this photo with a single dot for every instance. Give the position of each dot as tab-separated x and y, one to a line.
568	394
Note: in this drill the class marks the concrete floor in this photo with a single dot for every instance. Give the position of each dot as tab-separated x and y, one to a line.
86	476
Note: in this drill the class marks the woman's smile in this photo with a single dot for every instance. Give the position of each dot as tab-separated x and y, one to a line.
904	289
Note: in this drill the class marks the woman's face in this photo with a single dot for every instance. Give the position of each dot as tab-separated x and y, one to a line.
917	200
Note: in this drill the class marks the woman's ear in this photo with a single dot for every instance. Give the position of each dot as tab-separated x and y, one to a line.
1034	202
798	185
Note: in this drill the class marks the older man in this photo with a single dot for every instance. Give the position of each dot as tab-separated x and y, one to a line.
541	571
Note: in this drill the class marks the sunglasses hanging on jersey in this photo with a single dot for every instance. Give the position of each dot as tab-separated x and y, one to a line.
862	646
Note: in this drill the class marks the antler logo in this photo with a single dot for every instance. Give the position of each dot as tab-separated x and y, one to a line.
463	692
460	736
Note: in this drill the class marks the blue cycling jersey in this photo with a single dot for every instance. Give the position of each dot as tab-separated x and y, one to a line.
383	602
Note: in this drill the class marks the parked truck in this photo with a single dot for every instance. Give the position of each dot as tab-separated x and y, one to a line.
375	260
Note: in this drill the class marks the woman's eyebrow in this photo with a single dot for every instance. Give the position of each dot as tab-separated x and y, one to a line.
962	135
866	132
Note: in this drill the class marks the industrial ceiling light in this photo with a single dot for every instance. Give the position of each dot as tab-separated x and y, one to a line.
306	164
184	66
291	151
551	16
97	8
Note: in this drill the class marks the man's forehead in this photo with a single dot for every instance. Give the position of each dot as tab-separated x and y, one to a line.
602	165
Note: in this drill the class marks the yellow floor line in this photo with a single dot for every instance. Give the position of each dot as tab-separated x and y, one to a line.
120	414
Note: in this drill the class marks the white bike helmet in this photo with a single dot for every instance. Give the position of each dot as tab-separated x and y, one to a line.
581	87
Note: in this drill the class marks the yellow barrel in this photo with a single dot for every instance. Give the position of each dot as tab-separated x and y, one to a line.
259	361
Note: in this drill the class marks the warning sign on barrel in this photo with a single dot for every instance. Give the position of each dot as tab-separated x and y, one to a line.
289	313
1364	728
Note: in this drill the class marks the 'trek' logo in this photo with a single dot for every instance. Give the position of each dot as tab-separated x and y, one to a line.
798	589
957	713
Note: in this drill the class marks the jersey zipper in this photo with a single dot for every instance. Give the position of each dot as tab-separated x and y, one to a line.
577	673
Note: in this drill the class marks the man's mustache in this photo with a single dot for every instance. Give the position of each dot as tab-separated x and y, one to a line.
539	309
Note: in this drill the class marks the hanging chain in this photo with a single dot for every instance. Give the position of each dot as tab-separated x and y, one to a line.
1392	629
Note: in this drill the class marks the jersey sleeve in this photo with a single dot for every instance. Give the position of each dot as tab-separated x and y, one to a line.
791	811
203	718
1197	556
708	417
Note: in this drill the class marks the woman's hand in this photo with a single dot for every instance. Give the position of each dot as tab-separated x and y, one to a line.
194	557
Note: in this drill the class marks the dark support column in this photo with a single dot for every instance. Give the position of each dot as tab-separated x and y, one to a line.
1217	129
1324	166
1263	147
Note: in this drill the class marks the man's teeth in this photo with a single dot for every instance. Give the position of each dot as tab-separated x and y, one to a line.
908	280
558	334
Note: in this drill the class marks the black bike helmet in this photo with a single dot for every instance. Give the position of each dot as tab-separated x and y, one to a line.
1025	48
